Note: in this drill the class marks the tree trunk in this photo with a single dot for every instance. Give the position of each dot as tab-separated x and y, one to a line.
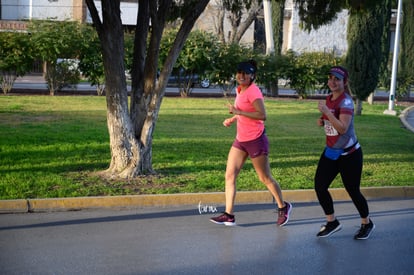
219	26
51	78
272	89
125	151
7	81
238	27
370	98
242	28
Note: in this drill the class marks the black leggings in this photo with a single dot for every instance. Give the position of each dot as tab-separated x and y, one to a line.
350	168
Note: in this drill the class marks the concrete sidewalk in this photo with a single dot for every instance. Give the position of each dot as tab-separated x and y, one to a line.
407	118
195	199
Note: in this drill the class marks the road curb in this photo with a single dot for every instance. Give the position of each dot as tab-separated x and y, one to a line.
196	199
404	118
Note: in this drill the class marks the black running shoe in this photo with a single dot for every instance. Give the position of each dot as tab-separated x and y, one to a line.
364	231
225	219
329	228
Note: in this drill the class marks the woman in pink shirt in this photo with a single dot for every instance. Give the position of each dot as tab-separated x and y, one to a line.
251	141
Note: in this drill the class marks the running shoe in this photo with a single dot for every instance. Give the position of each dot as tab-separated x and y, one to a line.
364	231
283	214
225	219
329	228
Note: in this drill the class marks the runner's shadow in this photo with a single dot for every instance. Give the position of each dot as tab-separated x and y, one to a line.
194	212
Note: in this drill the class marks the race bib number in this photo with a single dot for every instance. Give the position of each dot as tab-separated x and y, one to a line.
329	129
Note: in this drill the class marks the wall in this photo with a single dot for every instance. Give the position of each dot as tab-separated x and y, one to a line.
60	10
327	38
129	12
36	9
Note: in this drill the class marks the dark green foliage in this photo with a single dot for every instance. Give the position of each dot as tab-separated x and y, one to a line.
278	8
16	58
385	69
16	55
236	6
361	5
406	58
52	41
307	72
364	55
315	13
91	64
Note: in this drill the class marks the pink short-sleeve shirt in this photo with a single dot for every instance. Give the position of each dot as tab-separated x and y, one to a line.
247	128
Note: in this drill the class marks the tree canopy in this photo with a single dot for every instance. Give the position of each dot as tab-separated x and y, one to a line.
16	58
53	42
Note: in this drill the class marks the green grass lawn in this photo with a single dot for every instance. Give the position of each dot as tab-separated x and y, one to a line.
51	147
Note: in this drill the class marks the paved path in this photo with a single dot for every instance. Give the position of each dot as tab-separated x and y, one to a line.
180	240
407	118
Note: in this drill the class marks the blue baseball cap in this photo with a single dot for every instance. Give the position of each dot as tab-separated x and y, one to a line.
246	67
339	72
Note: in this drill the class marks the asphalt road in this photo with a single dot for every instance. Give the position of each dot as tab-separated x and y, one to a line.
182	240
